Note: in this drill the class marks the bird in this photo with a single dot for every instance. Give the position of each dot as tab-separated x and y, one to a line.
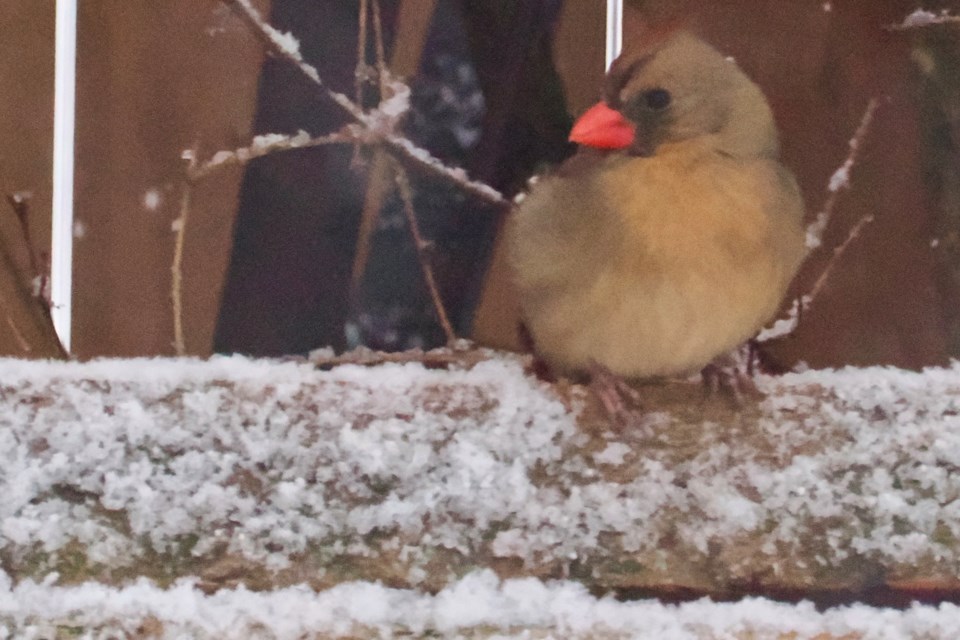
672	235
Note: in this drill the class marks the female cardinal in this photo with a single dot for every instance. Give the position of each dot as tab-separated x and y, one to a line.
672	237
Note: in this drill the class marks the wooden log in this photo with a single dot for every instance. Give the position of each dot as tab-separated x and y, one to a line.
446	472
273	474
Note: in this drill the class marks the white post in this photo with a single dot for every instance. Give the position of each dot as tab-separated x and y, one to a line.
614	30
64	106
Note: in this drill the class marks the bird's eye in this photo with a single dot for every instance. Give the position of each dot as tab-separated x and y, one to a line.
657	99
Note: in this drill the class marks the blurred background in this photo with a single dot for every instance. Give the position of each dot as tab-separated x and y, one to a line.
270	261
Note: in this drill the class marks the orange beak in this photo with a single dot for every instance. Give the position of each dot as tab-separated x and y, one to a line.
603	128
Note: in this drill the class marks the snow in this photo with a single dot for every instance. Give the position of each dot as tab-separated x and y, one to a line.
920	17
923	18
283	42
814	232
841	177
152	199
787	324
171	473
260	146
478	603
399	101
287	467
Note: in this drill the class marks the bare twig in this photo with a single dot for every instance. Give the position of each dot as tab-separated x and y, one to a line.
20	203
420	158
838	252
262	146
37	295
840	180
378	181
361	73
377	124
421	246
923	18
383	75
176	269
286	46
787	324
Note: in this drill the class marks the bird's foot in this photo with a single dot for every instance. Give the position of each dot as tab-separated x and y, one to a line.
732	375
619	400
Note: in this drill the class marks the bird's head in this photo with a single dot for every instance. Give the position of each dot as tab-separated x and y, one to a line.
680	89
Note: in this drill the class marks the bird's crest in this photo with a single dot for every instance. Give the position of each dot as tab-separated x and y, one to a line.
642	48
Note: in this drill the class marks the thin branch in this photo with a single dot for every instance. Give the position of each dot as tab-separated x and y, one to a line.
377	124
422	247
20	203
922	18
404	149
383	74
40	277
787	324
409	41
840	179
378	181
401	147
262	146
176	269
838	252
361	73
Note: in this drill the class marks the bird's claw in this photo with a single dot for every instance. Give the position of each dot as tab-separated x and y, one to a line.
732	375
620	401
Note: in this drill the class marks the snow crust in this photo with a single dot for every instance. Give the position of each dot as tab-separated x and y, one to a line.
270	458
479	602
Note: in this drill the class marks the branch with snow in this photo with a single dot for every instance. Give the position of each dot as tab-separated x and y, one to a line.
32	290
839	181
923	18
785	325
422	247
375	127
261	146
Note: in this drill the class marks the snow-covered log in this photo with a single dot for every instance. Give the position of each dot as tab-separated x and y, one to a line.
279	475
